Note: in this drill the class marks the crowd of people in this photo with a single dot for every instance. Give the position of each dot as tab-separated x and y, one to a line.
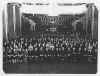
49	49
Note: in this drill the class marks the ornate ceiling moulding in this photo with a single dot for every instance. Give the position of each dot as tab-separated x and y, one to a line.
35	3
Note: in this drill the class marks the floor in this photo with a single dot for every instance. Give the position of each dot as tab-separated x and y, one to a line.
52	68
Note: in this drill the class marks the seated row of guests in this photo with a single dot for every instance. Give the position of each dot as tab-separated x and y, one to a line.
48	48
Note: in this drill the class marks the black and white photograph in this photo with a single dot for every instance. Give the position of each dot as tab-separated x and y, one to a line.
50	38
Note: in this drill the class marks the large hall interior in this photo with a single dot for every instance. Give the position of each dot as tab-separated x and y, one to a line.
50	38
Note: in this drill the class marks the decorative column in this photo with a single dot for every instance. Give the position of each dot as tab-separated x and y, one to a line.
14	19
92	23
5	23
